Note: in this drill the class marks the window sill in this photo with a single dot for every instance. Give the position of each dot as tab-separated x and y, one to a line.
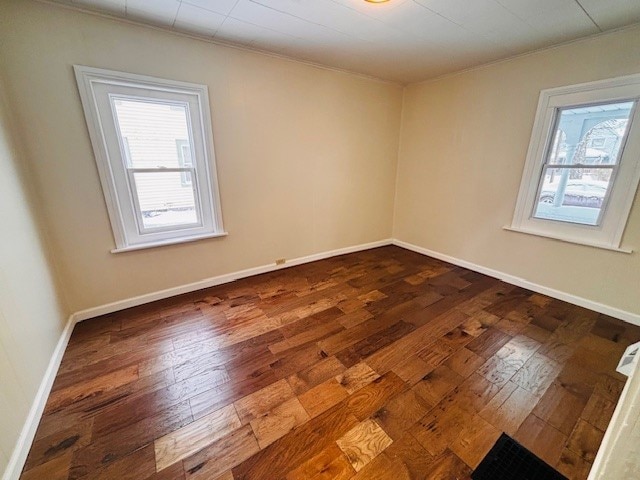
173	241
568	240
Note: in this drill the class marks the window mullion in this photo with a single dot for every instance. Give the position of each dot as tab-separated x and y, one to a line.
580	165
161	169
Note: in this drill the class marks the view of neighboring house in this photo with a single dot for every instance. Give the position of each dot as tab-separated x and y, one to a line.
158	156
584	137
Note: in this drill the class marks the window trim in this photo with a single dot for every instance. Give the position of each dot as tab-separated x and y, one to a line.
87	78
608	234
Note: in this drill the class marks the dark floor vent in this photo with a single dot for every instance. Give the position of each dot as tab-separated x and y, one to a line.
508	460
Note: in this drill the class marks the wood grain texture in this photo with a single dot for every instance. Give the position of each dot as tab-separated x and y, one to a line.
409	458
322	397
363	443
315	374
538	435
330	463
195	436
223	455
475	440
381	364
278	422
356	377
401	412
55	469
258	403
585	440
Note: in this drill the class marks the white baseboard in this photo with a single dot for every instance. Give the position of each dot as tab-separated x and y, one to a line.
218	280
23	445
521	282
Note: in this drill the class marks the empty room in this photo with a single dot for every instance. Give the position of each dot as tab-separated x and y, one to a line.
319	239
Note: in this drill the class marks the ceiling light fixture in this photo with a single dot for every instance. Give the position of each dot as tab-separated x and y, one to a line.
376	1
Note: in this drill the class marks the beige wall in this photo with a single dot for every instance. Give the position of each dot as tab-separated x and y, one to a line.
463	146
31	315
306	156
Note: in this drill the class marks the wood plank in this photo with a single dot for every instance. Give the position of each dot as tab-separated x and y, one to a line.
474	441
91	388
363	443
258	403
537	435
413	369
174	472
97	407
380	468
146	404
316	374
537	374
409	458
54	469
437	430
560	408
209	400
330	463
472	395
132	467
437	384
278	422
400	413
504	364
356	377
573	465
585	440
487	344
464	362
436	353
598	411
383	338
356	317
338	469
280	457
509	414
385	359
340	341
217	373
322	397
220	456
364	402
449	465
187	440
68	440
311	335
108	448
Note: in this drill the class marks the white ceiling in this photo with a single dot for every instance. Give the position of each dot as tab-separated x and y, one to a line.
402	40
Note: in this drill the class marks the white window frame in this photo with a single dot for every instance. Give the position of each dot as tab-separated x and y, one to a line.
98	89
608	233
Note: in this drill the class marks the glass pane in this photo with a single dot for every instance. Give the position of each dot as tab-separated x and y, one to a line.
573	195
152	133
590	135
165	200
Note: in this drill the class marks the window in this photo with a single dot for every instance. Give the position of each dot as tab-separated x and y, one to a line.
583	163
598	142
153	146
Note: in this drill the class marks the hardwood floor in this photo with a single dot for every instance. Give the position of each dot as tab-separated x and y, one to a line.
374	365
